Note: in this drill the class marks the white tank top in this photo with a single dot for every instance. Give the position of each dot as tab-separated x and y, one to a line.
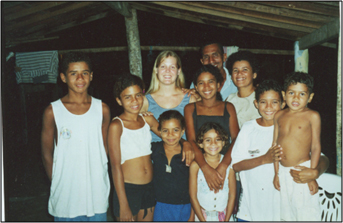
207	198
134	143
80	182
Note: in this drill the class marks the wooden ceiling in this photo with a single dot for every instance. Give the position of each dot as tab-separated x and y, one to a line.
25	22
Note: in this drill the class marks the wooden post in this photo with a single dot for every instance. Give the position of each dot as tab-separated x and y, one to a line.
339	112
134	46
300	59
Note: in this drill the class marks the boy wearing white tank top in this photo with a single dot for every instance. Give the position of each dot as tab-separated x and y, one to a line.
74	149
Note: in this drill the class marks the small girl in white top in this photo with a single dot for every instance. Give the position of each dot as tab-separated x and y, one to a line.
207	205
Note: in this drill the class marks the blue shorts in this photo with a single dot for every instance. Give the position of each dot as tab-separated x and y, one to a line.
172	212
96	217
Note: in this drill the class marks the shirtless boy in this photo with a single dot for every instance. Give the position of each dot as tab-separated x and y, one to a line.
297	131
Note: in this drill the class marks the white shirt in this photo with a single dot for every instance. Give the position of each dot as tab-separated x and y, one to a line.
259	201
245	108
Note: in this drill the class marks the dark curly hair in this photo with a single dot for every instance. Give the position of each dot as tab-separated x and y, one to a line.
73	57
170	114
299	77
267	85
207	127
212	70
124	81
243	55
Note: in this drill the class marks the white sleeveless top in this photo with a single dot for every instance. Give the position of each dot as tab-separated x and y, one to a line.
80	182
207	198
134	143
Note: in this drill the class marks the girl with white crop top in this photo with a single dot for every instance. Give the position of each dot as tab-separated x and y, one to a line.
129	145
207	205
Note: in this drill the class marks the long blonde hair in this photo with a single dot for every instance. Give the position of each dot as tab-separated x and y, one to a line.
155	83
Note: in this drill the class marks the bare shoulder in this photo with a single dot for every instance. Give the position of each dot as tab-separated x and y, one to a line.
105	108
145	106
229	106
190	107
194	167
150	119
116	125
48	112
313	115
279	113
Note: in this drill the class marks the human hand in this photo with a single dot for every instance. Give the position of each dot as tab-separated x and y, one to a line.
213	178
147	113
191	92
188	154
221	169
125	214
304	174
273	154
276	182
313	186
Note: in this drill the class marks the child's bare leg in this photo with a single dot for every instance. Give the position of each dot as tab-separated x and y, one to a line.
148	217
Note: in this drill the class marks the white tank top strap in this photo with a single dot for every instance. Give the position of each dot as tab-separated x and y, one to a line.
143	118
122	124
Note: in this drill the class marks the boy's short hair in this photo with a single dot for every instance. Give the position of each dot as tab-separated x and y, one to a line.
124	81
207	127
170	114
73	57
299	77
243	55
267	85
212	70
220	46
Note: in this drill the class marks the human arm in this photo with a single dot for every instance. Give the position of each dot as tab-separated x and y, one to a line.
47	140
113	141
305	175
188	152
213	178
106	115
192	215
269	157
153	123
232	194
193	190
276	162
234	129
315	145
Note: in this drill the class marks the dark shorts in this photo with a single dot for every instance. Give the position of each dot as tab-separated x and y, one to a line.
138	196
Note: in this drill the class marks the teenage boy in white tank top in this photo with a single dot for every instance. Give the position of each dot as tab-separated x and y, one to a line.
74	150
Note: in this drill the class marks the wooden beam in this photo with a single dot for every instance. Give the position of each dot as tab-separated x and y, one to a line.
134	45
306	7
174	48
227	14
339	111
121	7
18	41
254	6
42	6
38	18
321	35
255	14
218	21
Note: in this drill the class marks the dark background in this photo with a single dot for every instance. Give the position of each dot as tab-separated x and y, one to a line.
25	177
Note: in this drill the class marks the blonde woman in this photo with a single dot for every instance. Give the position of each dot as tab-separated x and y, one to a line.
165	91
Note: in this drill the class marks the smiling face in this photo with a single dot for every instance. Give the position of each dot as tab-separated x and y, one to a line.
212	143
268	104
297	96
242	74
207	85
168	71
211	54
78	77
171	132
131	99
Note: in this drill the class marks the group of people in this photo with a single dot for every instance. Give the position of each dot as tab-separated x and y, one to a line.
178	154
